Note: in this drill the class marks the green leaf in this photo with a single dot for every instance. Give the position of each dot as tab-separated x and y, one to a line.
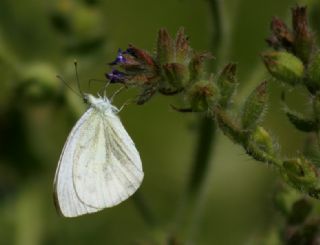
298	120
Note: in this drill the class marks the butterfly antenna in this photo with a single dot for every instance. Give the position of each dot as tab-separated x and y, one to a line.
77	77
105	89
94	80
65	83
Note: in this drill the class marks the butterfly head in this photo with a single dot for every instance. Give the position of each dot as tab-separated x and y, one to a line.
99	103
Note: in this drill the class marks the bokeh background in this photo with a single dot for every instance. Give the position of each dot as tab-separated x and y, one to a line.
40	39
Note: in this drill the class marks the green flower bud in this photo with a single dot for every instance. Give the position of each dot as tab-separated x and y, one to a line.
312	80
300	173
197	66
165	47
227	83
177	74
263	140
228	126
284	66
182	47
203	95
254	107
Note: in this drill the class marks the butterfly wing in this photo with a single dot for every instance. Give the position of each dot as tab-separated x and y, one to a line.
108	168
66	199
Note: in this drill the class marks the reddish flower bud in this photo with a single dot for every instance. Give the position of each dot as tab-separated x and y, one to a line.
197	65
182	47
165	47
282	36
176	74
304	40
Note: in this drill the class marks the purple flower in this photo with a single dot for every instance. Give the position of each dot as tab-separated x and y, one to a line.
116	76
119	59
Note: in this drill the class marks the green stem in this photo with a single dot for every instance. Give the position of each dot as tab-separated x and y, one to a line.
207	126
202	156
144	210
205	145
199	169
215	8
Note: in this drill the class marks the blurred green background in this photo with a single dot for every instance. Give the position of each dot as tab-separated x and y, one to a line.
40	39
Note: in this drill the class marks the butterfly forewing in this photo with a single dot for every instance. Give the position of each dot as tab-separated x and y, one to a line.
66	199
106	172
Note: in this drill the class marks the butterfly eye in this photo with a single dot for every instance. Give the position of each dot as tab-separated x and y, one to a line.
86	98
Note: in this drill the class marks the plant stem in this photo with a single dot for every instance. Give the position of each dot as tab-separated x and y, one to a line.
207	126
202	156
205	145
215	8
144	210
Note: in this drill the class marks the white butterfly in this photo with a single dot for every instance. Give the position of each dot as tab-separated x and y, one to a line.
99	166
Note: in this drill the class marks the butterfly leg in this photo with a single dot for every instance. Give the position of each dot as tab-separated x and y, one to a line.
105	89
128	102
116	92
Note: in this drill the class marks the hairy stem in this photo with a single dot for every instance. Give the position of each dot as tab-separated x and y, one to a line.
202	156
206	142
144	210
215	8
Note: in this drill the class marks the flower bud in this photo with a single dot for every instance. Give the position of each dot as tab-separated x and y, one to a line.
165	47
177	74
281	37
197	66
228	126
142	57
203	95
227	83
312	80
300	173
284	67
263	140
304	40
182	47
254	107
